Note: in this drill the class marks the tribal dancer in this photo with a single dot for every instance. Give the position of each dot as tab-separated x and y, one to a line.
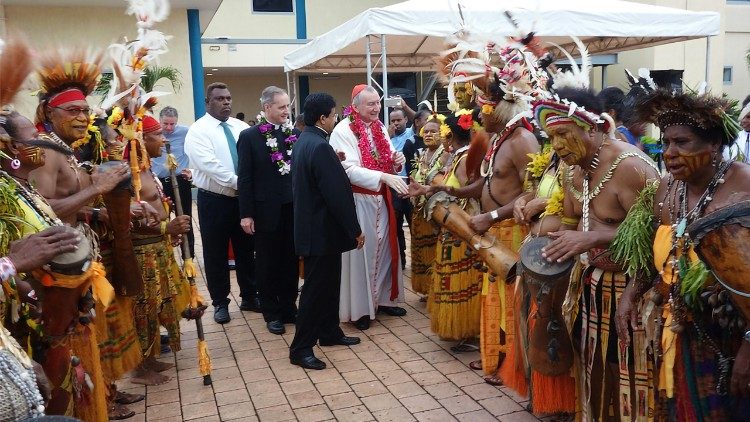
454	299
504	100
423	232
63	114
696	335
605	180
166	292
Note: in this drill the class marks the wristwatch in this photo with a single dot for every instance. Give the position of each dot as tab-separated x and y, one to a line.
494	215
746	337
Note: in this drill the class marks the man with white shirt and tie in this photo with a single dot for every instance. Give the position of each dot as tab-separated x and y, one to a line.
211	145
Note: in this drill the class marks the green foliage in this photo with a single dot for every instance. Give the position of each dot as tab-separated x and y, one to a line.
633	243
151	76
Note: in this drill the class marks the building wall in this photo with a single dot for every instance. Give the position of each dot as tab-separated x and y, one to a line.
235	19
736	46
47	27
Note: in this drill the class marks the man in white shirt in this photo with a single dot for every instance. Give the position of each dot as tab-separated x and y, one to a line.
211	145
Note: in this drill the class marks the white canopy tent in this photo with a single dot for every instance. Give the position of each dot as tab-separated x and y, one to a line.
416	31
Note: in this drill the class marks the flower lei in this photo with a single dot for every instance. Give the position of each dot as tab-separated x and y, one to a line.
379	158
277	157
91	129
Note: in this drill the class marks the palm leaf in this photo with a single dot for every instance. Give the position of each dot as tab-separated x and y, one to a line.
151	76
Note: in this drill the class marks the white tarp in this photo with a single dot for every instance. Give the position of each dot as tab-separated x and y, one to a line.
416	29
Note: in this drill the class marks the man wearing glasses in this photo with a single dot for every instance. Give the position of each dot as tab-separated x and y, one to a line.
371	278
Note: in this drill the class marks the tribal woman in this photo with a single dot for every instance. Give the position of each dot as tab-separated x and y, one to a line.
453	301
423	232
703	362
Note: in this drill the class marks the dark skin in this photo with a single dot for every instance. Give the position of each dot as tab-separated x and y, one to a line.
219	104
508	173
680	145
577	147
67	190
154	141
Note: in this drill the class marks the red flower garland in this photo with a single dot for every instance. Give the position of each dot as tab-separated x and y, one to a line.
379	158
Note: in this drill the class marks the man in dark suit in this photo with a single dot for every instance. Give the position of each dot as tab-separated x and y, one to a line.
264	186
325	225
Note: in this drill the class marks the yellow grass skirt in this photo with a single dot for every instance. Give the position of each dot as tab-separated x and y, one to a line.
454	302
423	239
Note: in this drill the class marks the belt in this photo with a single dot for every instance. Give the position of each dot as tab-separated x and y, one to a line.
150	240
168	179
218	195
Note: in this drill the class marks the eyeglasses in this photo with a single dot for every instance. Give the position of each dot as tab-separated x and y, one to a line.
75	111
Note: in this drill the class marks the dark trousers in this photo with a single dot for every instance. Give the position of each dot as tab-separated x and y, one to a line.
402	208
219	218
318	316
277	267
186	200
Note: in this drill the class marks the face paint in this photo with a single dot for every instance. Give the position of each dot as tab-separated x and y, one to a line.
431	135
690	161
569	147
463	93
31	157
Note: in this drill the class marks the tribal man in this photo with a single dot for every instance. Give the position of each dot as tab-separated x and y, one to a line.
605	180
166	291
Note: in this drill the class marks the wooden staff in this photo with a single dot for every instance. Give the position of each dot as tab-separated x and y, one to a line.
196	307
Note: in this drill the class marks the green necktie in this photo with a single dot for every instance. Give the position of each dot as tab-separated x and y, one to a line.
232	143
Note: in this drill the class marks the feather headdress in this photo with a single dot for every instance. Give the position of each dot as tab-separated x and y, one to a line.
63	68
15	66
690	108
577	77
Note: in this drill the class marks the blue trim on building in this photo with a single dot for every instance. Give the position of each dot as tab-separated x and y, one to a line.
196	62
301	19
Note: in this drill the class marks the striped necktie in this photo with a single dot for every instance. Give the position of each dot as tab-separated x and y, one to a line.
232	143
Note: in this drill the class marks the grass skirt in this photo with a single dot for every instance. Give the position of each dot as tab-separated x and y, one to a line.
423	239
454	301
496	312
163	292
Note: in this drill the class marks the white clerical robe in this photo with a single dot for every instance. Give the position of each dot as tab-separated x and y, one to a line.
366	272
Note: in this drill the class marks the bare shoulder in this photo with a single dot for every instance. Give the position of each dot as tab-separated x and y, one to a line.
523	140
738	182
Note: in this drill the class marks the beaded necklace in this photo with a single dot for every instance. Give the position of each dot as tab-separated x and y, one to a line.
683	218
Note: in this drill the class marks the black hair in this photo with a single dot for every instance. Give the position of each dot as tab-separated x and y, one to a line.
316	105
398	110
463	135
422	112
612	98
745	101
241	116
582	97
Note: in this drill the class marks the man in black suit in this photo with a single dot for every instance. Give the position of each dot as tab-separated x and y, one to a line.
325	225
264	186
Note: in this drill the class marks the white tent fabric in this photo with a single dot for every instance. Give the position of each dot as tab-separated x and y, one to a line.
416	29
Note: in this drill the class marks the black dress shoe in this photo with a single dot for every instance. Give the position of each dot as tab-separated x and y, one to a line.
392	310
221	314
252	304
308	362
343	341
275	327
363	323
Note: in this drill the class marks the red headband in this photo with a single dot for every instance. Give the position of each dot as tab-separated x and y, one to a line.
150	124
69	95
357	89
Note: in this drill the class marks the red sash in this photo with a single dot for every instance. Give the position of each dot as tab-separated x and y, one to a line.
392	236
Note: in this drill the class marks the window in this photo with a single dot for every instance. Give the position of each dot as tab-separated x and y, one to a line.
273	6
727	75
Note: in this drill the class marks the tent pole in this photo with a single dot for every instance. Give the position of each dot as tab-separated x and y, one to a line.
708	59
384	59
604	76
369	61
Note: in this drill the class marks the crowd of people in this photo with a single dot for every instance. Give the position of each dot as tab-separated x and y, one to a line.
590	279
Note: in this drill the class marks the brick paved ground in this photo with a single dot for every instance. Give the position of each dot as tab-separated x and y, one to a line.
400	372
